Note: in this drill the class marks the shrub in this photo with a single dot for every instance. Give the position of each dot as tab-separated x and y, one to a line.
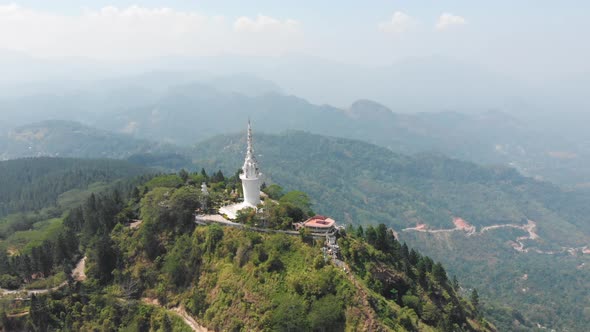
9	282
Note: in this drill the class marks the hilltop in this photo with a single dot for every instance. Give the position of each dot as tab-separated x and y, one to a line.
140	275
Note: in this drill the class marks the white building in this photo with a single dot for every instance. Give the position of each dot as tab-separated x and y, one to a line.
251	176
251	181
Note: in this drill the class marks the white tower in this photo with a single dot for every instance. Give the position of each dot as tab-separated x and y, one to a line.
250	175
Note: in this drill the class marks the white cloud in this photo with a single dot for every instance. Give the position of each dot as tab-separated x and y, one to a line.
265	23
135	32
399	23
447	20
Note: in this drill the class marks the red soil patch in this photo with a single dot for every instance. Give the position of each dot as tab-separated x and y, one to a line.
460	223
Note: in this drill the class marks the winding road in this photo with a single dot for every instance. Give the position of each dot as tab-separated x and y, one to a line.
518	244
179	311
77	273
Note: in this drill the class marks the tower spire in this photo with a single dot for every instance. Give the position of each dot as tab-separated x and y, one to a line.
250	173
250	168
250	150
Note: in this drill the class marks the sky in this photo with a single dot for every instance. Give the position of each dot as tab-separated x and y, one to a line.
527	38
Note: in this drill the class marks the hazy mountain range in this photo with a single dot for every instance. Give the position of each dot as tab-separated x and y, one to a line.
432	83
178	109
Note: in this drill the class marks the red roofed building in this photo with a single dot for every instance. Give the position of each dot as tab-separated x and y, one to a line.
320	224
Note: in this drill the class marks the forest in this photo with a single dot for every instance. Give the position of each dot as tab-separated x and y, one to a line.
236	279
37	248
34	183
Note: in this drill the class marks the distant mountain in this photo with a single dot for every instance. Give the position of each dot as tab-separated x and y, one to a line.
246	84
184	107
412	84
71	139
486	137
187	113
416	84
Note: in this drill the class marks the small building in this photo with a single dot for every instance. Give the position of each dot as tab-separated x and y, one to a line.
319	224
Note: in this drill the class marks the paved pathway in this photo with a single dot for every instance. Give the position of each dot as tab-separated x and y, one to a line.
204	219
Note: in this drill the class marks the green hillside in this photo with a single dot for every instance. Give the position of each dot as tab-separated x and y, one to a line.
140	277
35	183
36	194
360	183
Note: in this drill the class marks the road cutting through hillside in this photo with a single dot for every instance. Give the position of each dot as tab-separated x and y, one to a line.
77	274
518	244
178	311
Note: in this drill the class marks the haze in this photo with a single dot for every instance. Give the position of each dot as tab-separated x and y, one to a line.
410	56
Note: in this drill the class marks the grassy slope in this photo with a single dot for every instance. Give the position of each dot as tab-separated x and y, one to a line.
239	291
23	241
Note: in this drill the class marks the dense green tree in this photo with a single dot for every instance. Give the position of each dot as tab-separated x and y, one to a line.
274	191
105	257
290	314
360	232
39	313
183	174
421	266
456	285
371	235
327	314
36	183
214	236
217	177
298	199
474	298
405	252
430	313
439	273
